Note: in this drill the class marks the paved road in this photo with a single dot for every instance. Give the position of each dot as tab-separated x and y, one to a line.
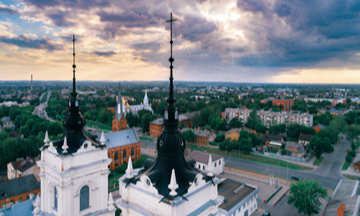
332	163
40	110
328	173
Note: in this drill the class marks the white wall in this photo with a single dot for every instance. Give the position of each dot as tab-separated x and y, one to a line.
218	168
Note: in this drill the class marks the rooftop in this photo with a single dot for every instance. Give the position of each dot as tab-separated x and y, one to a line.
18	186
202	157
345	188
120	138
233	192
24	164
351	206
305	137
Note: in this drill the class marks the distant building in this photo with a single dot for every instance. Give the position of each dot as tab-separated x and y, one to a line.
333	101
7	122
119	121
285	103
267	138
122	144
233	134
319	127
18	190
305	139
145	105
23	167
333	112
296	149
202	137
157	125
202	160
269	118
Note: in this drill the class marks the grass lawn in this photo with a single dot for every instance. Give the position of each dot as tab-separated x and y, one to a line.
345	166
251	157
100	126
318	161
146	139
352	177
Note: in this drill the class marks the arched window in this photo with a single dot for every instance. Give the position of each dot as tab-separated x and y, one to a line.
116	155
55	199
124	153
132	151
84	198
108	155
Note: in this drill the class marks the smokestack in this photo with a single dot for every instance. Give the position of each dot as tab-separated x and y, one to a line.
31	82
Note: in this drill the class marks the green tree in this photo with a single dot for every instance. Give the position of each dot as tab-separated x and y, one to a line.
225	145
145	121
235	123
260	129
246	145
220	137
253	119
277	129
312	110
305	196
320	145
189	136
338	124
352	132
197	121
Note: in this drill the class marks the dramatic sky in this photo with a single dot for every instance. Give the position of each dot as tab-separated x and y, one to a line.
281	41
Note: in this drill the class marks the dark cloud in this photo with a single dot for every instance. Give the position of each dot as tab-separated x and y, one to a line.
26	42
61	19
194	28
75	4
10	11
128	19
104	53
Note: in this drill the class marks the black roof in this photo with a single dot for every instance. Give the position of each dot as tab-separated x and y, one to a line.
305	137
269	137
171	148
18	186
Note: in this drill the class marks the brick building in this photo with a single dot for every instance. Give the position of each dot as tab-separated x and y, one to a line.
202	137
119	121
122	144
286	103
157	125
18	190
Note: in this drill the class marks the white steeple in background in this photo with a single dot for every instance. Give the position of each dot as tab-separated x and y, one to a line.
173	185
146	99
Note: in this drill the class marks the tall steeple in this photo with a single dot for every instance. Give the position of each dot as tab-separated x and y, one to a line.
170	174
119	107
74	123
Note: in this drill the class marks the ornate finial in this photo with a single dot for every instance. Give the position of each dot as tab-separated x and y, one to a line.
129	169
46	140
111	206
173	185
102	138
74	66
210	167
65	146
171	99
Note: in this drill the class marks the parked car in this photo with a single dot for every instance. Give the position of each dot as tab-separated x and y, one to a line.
347	150
266	214
296	178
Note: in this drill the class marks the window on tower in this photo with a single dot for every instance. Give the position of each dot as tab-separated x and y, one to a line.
132	151
84	198
116	155
124	153
55	199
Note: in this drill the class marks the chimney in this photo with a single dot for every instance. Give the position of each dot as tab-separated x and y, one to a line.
198	128
341	210
342	206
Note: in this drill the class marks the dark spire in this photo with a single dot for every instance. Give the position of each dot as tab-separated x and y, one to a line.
74	123
171	112
170	169
74	94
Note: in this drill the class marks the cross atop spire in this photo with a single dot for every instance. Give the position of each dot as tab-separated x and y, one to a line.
171	60
74	66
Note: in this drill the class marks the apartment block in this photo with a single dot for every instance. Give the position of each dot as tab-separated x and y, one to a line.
269	118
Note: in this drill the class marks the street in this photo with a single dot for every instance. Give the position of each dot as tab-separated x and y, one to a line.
40	109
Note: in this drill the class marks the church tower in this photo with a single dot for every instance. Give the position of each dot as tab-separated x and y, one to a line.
74	170
170	185
146	99
119	122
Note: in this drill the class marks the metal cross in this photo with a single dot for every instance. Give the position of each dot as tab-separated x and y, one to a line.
74	66
171	21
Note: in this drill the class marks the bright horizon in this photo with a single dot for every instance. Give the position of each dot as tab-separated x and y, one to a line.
245	41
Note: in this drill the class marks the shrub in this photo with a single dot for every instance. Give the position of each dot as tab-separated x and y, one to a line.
352	153
348	158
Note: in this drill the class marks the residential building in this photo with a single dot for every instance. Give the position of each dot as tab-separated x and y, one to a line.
319	127
233	134
345	200
269	118
296	149
7	122
333	112
203	159
240	198
357	162
267	138
332	100
285	103
305	139
23	167
202	137
121	145
157	125
18	190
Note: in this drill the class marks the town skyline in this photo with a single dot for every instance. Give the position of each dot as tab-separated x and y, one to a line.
239	41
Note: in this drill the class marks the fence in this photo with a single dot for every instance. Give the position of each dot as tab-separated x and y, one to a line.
302	159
